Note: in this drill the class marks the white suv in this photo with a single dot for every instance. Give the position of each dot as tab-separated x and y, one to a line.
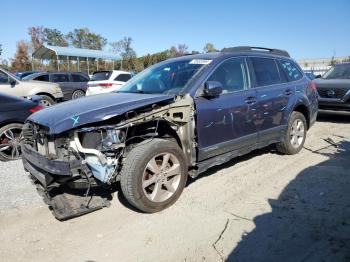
107	81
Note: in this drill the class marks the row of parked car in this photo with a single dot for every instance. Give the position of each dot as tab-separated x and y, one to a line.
24	93
56	87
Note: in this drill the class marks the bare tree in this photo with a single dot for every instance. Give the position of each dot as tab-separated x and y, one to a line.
36	36
21	61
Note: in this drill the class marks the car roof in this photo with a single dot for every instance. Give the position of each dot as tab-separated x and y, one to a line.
226	54
112	71
343	63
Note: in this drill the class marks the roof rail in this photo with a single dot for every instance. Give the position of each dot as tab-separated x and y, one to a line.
254	48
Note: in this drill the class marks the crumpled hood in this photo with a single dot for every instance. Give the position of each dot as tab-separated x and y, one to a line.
75	113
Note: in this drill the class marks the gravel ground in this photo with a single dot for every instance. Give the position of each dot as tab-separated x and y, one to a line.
16	188
260	207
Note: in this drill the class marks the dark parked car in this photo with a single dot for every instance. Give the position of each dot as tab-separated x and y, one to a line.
13	112
174	119
24	74
334	88
73	85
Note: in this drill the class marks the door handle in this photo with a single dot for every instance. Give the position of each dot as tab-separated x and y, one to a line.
251	100
288	92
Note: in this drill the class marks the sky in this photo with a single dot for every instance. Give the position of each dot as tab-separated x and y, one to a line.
306	29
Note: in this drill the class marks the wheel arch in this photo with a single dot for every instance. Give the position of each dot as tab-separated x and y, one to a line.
9	122
46	94
303	109
157	129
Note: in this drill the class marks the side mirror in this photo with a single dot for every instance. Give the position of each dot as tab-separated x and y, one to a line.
318	76
212	89
12	82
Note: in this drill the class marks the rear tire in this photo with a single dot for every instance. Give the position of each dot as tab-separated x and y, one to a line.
154	175
295	137
78	94
47	101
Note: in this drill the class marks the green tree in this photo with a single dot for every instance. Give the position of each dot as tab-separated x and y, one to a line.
21	61
54	37
209	47
84	38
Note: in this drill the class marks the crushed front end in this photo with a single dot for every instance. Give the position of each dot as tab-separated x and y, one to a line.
73	171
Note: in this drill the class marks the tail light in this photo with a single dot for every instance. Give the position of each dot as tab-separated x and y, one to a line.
312	86
105	85
36	108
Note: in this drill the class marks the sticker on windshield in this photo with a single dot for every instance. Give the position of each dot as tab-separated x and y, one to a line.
200	61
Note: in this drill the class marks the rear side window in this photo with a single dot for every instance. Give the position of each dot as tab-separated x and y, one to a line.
42	78
291	70
266	72
101	75
123	77
56	78
79	78
232	75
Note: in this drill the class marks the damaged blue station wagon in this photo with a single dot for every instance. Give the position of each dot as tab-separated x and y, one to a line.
174	119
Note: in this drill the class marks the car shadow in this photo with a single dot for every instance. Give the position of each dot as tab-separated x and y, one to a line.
310	220
333	117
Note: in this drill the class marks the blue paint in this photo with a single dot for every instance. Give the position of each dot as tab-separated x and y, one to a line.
75	120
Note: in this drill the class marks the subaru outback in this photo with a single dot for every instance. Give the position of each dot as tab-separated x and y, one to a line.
173	120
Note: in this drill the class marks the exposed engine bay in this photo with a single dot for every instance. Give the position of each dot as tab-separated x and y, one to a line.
76	171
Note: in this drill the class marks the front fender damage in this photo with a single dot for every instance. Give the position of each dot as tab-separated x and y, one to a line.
101	148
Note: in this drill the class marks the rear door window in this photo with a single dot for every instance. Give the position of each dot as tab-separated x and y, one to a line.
266	72
42	78
79	78
291	70
57	78
123	77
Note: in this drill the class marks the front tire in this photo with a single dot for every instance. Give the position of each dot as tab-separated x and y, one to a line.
154	175
47	101
295	137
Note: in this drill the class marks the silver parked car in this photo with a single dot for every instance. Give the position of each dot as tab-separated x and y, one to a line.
12	85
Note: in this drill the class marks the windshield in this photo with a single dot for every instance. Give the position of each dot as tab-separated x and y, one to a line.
11	75
101	75
341	71
169	78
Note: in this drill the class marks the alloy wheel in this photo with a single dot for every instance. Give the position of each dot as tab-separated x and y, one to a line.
78	94
297	133
161	177
45	103
10	143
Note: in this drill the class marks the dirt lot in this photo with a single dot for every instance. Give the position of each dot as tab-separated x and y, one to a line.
261	207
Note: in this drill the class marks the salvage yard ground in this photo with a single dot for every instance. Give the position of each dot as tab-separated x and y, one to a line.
260	207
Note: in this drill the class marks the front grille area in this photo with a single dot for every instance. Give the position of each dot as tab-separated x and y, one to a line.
338	93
